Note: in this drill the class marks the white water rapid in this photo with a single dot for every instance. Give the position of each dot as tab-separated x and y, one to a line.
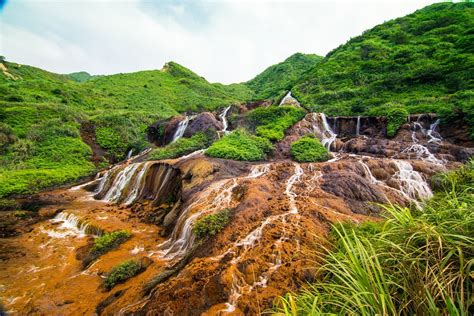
223	117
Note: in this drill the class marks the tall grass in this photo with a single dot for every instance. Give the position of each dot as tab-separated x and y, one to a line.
415	262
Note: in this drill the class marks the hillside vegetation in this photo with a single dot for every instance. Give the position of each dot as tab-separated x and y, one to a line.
276	80
423	61
41	115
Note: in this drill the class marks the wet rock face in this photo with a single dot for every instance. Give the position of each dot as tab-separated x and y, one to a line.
368	125
162	132
204	122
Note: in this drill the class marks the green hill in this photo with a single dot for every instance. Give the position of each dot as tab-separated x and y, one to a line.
42	116
423	61
276	80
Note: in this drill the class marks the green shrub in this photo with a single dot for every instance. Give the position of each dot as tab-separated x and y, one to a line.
416	262
272	122
211	224
309	149
121	273
240	145
396	117
181	147
109	241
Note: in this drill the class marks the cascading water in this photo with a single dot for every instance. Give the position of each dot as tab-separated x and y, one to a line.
420	151
258	170
240	248
411	182
121	182
322	130
71	225
182	238
289	99
358	126
434	136
223	117
129	154
182	125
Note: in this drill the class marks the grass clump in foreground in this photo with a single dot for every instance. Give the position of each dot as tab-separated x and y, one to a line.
272	122
122	273
211	224
104	244
309	149
181	147
240	145
416	262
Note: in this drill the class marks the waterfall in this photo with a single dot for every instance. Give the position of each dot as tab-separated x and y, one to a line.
334	126
358	126
182	238
421	151
322	129
411	181
289	99
129	154
434	136
223	117
138	184
121	182
71	225
182	125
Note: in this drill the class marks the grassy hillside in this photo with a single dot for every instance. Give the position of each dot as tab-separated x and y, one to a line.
423	62
41	115
277	79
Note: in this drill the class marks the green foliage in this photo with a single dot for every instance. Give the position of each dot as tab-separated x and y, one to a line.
276	80
417	262
309	149
121	273
240	145
181	147
272	122
210	225
396	117
109	241
423	61
41	111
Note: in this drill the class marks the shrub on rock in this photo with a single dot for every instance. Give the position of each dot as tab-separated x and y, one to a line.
240	145
309	149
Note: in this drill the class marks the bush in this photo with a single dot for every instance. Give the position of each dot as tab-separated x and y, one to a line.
121	273
309	149
181	147
240	145
272	122
396	117
211	224
109	241
417	262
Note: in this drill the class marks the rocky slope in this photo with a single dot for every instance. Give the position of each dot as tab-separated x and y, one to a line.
280	212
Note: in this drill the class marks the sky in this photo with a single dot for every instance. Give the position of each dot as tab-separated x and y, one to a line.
223	41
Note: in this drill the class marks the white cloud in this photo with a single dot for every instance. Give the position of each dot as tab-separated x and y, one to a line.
228	41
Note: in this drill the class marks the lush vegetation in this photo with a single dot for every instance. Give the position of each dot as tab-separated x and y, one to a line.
41	114
309	149
122	273
416	262
240	145
276	80
210	225
181	147
272	122
423	61
104	244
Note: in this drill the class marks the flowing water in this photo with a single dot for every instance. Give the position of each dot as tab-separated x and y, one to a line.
322	130
358	126
182	125
289	99
412	182
419	150
223	117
